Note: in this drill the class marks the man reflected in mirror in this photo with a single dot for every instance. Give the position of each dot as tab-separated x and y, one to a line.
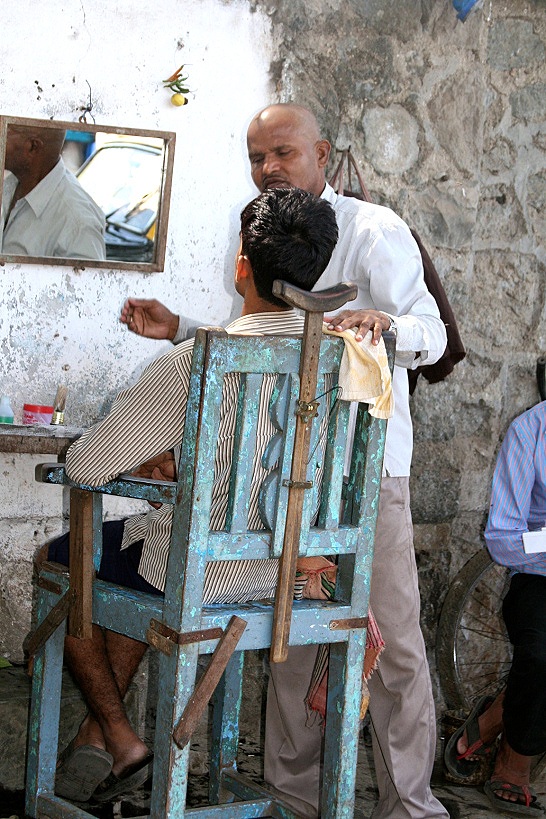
45	210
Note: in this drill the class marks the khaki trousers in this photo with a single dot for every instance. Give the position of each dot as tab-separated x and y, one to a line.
401	703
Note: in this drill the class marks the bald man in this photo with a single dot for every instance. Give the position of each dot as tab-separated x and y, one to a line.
376	250
45	210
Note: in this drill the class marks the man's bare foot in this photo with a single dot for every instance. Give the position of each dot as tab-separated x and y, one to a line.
513	769
127	749
131	757
89	733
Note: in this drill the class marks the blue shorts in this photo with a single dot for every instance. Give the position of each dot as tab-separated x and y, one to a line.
119	566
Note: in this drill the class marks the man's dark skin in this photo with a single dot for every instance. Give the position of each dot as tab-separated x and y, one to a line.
509	765
31	153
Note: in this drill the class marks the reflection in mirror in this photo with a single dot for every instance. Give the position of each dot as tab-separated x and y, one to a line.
84	195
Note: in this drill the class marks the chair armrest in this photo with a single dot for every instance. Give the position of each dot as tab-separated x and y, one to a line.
125	485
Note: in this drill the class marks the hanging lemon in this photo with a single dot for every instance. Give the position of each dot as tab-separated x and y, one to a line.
177	83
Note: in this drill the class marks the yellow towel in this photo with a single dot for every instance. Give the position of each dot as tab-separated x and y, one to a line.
364	373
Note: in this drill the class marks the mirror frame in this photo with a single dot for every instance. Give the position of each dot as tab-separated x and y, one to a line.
160	237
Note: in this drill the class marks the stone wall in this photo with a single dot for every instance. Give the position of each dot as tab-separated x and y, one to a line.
447	120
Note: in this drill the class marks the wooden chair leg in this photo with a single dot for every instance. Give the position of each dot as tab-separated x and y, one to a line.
44	714
206	686
225	727
170	778
343	718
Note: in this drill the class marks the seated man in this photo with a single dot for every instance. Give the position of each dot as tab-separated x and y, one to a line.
285	234
518	506
45	210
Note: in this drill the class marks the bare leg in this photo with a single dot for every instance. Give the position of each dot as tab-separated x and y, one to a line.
103	667
490	723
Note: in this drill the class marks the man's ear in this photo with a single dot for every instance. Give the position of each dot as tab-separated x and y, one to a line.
243	269
35	145
323	149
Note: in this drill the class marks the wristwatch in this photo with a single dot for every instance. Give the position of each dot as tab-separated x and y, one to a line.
393	327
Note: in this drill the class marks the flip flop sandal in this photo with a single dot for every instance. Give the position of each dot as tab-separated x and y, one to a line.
531	807
80	770
459	765
132	778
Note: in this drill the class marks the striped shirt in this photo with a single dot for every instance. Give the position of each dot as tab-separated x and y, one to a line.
149	419
518	497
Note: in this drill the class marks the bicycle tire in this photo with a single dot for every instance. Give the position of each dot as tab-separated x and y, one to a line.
473	652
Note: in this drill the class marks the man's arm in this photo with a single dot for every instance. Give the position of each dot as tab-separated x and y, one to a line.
88	244
151	319
161	467
392	264
145	420
513	482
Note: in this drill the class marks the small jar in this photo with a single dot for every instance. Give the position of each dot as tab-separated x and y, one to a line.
37	414
6	412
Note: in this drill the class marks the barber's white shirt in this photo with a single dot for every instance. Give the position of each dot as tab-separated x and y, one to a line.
57	218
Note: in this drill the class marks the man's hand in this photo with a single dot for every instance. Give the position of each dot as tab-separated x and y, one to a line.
160	468
149	318
362	320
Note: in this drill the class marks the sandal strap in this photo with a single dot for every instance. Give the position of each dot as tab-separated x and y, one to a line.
476	745
516	790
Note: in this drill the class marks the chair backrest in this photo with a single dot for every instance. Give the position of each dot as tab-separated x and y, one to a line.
247	387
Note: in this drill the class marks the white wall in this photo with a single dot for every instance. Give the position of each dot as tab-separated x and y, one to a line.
61	325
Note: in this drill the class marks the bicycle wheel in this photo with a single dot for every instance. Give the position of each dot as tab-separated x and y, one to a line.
473	652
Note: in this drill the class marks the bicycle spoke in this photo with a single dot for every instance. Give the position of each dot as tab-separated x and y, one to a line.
495	664
474	651
495	636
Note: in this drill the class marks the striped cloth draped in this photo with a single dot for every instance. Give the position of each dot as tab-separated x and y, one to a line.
316	579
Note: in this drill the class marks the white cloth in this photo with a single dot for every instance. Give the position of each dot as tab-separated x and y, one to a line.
364	373
57	218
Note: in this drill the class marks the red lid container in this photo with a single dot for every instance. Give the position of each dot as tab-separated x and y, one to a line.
37	414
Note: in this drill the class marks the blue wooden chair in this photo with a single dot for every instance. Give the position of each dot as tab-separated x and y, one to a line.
180	626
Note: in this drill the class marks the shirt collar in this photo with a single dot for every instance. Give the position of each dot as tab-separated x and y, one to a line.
281	322
39	197
329	194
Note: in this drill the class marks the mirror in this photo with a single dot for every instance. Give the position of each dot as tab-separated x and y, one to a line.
106	204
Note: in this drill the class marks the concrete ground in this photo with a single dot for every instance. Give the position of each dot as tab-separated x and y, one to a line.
462	802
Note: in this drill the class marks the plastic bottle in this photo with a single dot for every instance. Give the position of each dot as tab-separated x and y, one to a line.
6	412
